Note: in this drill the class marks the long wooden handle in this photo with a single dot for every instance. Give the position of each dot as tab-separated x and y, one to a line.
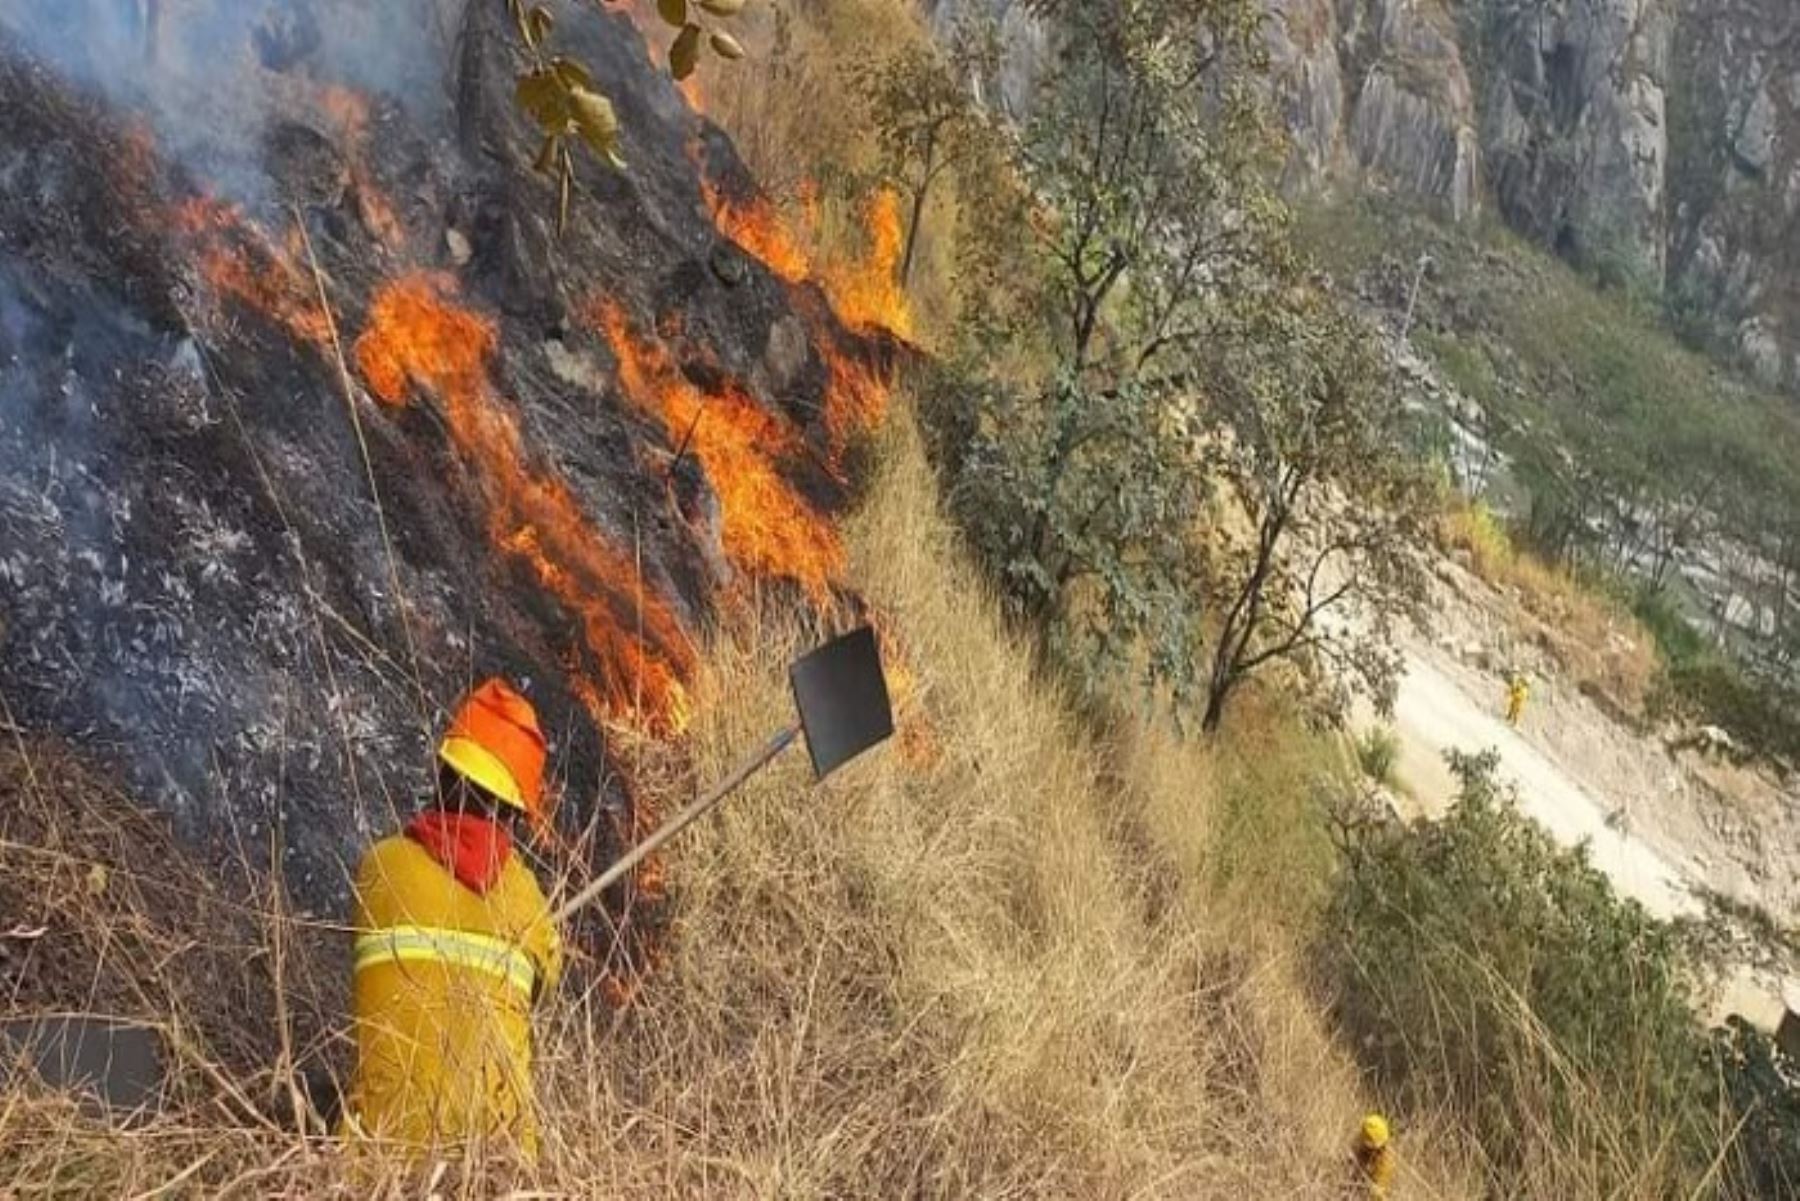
780	742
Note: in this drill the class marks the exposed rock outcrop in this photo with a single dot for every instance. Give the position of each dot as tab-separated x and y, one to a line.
1656	142
1026	44
1376	90
1734	230
1574	126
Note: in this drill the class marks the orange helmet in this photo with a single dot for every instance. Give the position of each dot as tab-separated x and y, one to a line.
494	742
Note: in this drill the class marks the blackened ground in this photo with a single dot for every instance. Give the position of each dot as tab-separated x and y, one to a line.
194	583
102	912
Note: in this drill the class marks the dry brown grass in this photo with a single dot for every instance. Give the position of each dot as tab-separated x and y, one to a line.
993	965
1592	636
995	958
799	118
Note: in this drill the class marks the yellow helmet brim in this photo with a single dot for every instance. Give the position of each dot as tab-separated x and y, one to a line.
478	765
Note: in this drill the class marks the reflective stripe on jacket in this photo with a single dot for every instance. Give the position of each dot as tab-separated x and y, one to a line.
441	1000
427	944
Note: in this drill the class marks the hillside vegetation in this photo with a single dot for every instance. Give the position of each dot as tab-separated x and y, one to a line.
1624	460
1114	914
1006	956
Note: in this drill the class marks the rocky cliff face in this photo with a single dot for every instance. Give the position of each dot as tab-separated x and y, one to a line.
1734	213
1656	141
1574	127
1376	91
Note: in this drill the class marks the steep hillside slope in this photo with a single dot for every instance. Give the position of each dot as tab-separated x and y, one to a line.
311	416
1001	957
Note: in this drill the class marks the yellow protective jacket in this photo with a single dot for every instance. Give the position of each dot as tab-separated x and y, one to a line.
1378	1166
441	1000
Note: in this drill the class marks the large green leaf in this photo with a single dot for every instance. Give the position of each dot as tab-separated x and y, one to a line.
684	55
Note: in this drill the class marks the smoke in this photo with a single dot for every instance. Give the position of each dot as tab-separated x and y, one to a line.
210	75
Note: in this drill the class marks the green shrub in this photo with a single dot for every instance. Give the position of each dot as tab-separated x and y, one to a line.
1377	752
1484	973
1759	1083
1676	638
1702	684
1761	715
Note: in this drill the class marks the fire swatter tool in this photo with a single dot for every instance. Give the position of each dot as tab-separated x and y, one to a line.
844	710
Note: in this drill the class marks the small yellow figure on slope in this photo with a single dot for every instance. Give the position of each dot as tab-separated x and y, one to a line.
1517	692
1376	1162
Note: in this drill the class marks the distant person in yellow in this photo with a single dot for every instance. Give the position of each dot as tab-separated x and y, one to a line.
1376	1163
454	943
1518	691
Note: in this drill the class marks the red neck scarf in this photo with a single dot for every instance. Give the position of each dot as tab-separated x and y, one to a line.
473	849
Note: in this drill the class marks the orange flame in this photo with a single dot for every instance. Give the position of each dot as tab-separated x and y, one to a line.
693	92
236	260
867	293
916	735
856	397
761	233
349	111
769	528
417	334
864	294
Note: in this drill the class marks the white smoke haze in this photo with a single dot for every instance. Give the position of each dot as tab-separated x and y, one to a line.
211	75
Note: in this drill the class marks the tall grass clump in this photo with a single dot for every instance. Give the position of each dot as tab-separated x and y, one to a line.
1488	975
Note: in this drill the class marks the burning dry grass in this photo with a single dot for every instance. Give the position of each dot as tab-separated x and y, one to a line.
1012	967
797	116
418	335
238	261
769	529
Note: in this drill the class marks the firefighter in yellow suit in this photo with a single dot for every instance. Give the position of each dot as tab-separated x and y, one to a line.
454	944
1518	690
1376	1162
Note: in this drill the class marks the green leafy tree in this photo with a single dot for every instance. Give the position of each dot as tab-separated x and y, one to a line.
1307	421
1086	502
1147	153
1140	164
927	122
1193	376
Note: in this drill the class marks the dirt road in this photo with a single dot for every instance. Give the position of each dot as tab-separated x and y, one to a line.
1436	712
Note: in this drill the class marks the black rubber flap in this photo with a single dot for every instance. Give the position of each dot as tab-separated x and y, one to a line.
118	1064
843	700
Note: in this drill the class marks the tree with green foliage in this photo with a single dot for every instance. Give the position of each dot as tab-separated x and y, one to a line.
1198	382
1086	502
927	122
1308	427
1142	162
1149	154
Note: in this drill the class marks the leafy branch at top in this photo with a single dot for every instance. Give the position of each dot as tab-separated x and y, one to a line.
560	95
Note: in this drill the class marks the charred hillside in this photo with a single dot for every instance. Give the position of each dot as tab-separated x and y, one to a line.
309	416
